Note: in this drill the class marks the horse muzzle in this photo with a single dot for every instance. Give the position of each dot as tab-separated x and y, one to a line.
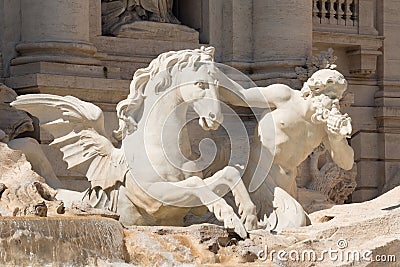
209	123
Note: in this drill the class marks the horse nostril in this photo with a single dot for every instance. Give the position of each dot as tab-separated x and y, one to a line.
212	116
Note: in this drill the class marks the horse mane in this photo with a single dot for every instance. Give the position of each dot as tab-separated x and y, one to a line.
129	110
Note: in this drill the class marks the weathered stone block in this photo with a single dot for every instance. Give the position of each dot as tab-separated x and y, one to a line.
367	146
104	92
363	118
66	69
390	97
392	151
363	94
392	171
370	173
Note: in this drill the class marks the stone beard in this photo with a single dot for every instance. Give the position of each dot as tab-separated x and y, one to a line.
327	111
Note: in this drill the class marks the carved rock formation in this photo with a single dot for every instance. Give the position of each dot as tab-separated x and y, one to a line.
210	244
370	226
330	179
196	244
313	201
22	191
12	121
64	241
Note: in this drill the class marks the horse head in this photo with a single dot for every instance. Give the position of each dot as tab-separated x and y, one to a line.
199	88
191	72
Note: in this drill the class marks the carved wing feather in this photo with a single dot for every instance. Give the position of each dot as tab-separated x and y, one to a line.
78	129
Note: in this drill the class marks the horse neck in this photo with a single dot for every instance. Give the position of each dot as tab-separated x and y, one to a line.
165	115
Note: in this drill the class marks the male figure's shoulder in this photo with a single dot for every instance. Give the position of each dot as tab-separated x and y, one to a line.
278	93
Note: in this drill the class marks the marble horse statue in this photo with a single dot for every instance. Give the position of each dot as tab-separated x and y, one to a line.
149	180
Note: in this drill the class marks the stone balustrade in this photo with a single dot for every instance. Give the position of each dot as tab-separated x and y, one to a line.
339	14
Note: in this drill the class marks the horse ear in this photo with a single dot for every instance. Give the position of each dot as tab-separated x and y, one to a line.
208	50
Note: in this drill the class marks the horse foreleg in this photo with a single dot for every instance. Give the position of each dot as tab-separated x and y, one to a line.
231	178
192	192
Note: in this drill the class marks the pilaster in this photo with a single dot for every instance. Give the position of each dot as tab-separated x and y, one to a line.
282	39
387	99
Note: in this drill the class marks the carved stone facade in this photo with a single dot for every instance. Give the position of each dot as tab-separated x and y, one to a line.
60	47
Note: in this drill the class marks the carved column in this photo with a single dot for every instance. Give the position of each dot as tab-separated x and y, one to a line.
282	38
55	31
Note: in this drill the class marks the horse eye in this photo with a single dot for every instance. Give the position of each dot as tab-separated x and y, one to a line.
202	85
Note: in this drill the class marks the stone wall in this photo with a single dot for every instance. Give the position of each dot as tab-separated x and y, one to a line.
387	99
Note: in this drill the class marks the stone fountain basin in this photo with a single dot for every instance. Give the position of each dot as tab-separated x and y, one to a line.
60	241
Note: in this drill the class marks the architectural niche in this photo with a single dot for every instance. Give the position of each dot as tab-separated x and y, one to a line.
116	13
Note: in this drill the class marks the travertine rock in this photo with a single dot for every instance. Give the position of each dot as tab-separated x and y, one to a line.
196	244
15	167
312	200
65	241
370	226
84	209
7	95
23	192
373	225
330	179
12	121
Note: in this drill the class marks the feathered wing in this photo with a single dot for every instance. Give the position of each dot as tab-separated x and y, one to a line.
287	212
78	129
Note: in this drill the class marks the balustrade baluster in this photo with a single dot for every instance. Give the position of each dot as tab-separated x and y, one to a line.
340	12
331	12
347	13
324	11
335	7
354	10
336	13
316	12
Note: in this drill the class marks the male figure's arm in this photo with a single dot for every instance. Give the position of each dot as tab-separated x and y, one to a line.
258	97
342	154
